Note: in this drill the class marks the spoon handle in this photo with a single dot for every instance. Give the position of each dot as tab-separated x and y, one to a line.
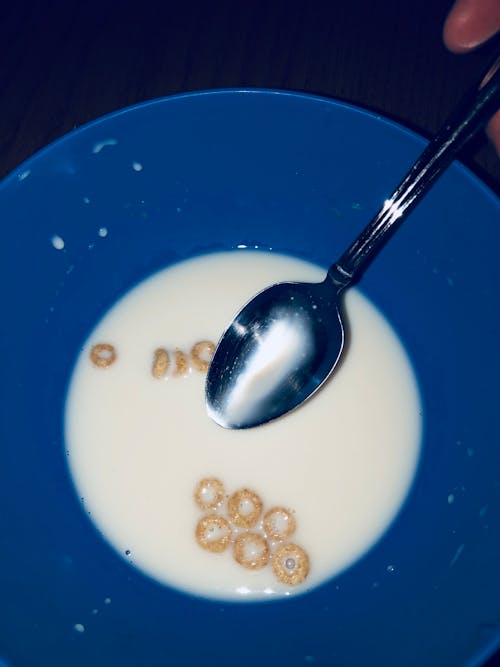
472	114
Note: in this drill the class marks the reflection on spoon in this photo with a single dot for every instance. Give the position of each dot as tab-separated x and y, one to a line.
273	354
280	352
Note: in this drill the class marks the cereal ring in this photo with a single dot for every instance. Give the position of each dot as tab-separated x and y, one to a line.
161	362
103	355
279	524
213	533
201	355
244	508
290	564
181	363
209	493
251	550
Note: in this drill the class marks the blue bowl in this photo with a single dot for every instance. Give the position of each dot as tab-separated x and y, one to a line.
302	175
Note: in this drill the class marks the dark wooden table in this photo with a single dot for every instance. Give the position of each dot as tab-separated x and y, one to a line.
65	62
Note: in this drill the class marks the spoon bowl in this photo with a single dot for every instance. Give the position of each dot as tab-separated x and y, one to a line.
279	350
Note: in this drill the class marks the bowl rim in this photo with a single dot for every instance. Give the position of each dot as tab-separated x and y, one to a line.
18	173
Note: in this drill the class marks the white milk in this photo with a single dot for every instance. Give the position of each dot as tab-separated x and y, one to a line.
138	445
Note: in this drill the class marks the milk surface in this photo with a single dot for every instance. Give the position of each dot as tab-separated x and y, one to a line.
138	445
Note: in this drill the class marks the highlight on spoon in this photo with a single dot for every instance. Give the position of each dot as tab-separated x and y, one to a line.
278	354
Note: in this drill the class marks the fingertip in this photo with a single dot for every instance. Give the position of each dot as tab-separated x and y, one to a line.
454	29
470	23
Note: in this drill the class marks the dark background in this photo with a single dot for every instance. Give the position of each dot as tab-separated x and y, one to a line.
63	63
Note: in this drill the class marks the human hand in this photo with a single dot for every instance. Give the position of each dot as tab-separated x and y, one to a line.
469	24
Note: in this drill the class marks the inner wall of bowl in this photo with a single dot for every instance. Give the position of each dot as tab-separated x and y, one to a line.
87	219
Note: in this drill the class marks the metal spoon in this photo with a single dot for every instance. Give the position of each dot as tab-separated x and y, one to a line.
284	343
